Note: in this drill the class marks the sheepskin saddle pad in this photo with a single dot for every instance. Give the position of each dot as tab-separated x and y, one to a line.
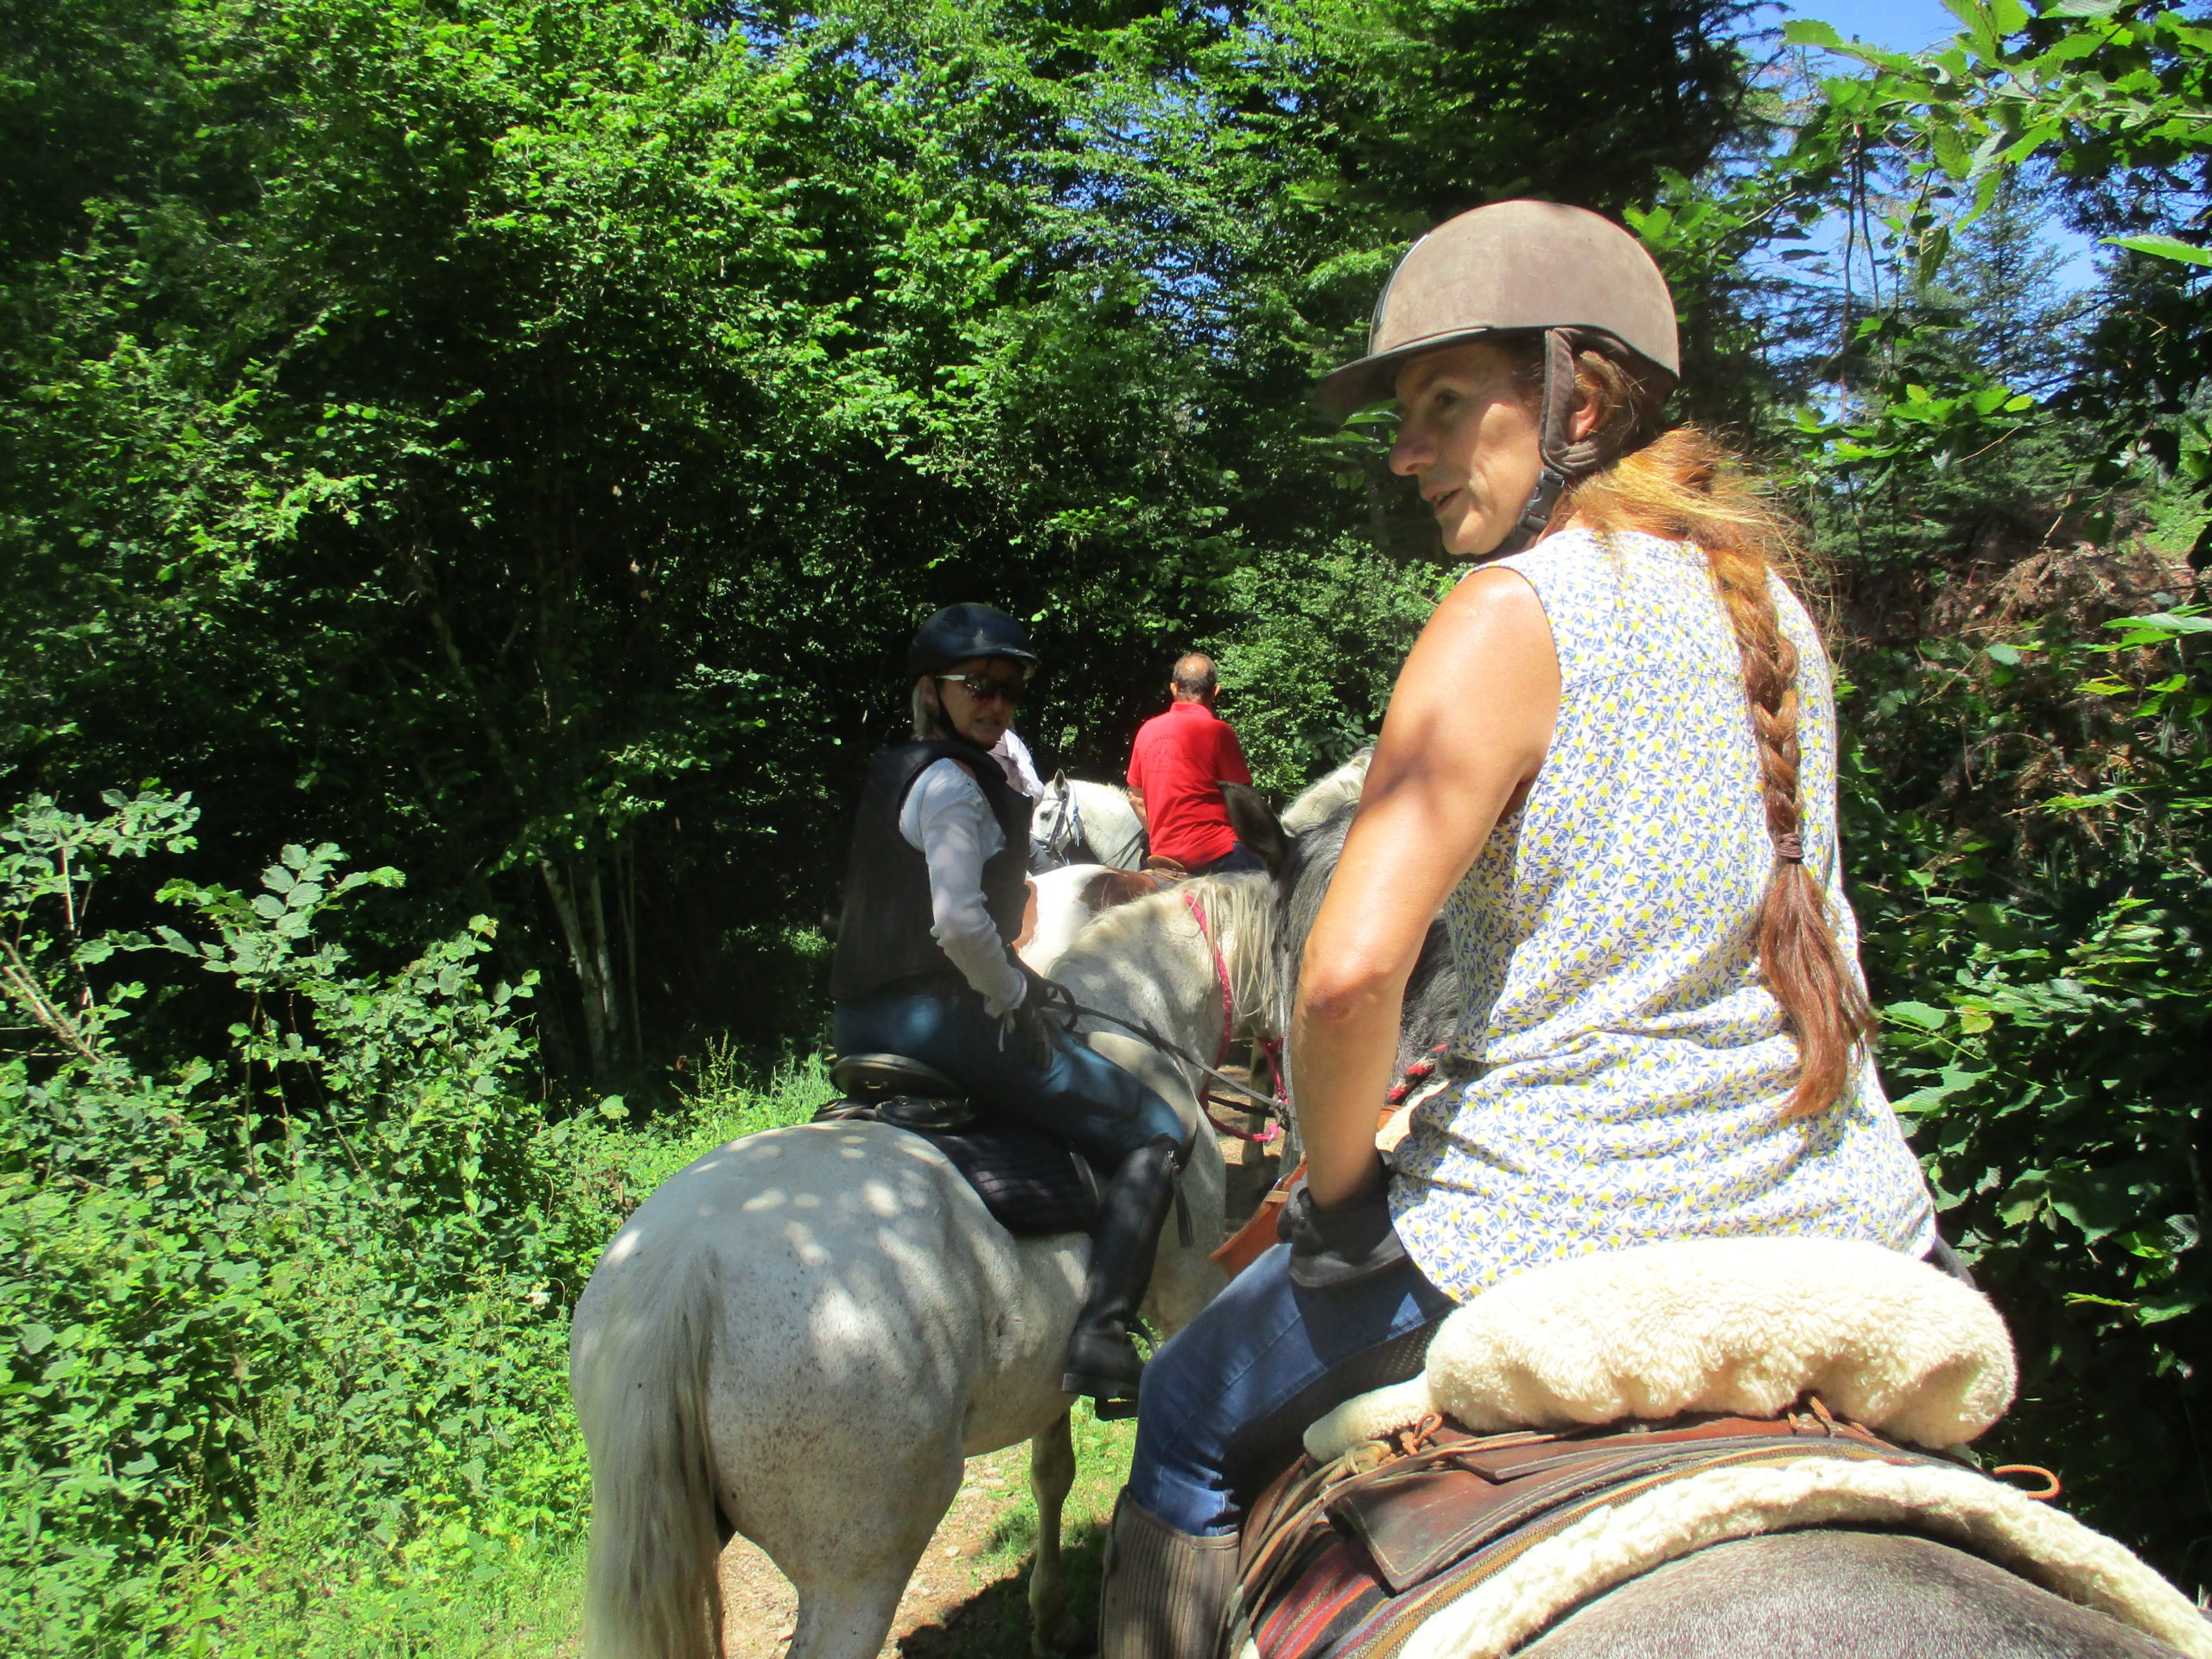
1033	1185
1582	1423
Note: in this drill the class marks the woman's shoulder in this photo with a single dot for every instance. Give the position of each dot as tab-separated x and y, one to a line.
945	784
1589	581
1605	564
948	776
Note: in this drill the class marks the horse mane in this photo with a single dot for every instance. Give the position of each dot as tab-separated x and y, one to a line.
1432	1005
1240	913
1324	797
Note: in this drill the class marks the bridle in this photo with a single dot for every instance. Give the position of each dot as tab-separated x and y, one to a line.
1066	837
1067	829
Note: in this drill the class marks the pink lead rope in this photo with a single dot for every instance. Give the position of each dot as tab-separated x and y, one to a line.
1221	973
1206	1101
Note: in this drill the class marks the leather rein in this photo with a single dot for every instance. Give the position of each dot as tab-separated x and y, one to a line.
1150	1034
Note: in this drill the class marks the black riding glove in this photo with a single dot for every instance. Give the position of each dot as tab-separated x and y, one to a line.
1340	1245
1040	1020
1048	997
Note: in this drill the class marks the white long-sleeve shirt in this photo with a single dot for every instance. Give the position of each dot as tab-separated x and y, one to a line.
1014	758
947	820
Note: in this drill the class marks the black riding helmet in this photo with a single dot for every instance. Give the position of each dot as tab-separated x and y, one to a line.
961	631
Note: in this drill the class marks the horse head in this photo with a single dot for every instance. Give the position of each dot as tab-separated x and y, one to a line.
1054	826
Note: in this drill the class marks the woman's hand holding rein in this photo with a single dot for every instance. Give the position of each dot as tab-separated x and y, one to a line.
1468	726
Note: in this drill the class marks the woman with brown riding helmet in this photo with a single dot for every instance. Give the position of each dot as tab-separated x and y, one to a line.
1610	762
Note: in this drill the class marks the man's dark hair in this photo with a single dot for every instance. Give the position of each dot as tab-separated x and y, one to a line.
1194	676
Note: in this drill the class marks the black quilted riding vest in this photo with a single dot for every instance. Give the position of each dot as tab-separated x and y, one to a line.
883	931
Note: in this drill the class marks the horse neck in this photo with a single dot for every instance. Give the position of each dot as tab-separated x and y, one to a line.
1146	963
1110	826
1153	960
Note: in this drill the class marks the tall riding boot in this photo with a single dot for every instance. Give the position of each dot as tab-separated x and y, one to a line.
1103	1360
1166	1591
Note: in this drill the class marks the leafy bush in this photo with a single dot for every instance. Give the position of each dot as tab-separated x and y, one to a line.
334	1261
2041	1028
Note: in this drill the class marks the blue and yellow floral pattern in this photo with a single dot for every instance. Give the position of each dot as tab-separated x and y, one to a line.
1631	1068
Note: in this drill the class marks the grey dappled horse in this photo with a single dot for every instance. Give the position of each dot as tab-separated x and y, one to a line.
1837	1593
805	1334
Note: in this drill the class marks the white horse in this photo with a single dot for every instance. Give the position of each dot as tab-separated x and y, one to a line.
802	1336
1073	818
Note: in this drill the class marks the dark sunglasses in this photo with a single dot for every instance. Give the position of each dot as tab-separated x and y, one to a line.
983	687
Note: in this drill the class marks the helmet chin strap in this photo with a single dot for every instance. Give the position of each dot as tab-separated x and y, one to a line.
952	732
1535	514
1564	460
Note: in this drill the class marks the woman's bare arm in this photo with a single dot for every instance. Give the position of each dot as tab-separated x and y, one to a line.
1469	722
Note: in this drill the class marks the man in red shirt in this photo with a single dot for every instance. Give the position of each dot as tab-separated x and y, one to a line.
1180	760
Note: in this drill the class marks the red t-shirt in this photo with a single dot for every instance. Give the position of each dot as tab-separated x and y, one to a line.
1178	759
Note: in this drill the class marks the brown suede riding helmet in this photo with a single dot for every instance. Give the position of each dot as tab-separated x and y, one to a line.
1514	267
1522	268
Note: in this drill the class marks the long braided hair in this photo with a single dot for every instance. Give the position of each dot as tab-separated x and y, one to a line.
1681	484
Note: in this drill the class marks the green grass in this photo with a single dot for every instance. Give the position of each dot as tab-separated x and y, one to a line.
518	1604
523	1603
300	1589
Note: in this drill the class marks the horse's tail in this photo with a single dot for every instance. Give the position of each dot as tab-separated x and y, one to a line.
652	1589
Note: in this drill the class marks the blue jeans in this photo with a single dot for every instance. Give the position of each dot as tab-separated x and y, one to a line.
1224	1402
1083	1098
1239	857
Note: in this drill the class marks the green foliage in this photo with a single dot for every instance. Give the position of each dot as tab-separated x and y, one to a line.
336	1256
2038	1050
295	1314
515	440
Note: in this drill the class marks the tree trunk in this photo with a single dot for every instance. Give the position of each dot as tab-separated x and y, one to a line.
587	956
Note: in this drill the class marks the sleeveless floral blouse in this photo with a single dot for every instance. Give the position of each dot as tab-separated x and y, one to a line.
1631	1068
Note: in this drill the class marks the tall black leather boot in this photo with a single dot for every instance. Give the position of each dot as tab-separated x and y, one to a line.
1103	1360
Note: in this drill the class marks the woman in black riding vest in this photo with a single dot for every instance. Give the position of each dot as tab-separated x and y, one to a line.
934	894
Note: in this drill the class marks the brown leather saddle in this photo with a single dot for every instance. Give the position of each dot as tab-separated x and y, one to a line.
897	1090
1346	1559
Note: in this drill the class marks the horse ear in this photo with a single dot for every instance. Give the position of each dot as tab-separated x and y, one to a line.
1256	825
